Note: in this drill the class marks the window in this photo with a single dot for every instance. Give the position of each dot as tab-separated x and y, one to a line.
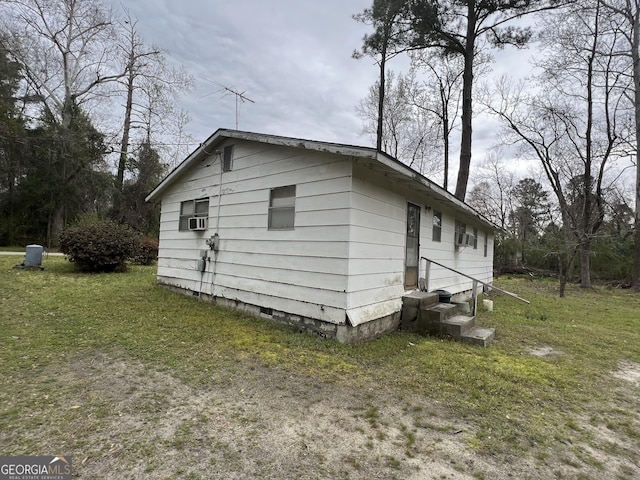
227	158
192	208
436	236
282	208
459	237
486	243
475	238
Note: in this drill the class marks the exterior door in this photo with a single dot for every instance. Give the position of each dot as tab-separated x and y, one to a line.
412	254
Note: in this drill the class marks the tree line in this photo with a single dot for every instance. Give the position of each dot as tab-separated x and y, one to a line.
574	121
87	107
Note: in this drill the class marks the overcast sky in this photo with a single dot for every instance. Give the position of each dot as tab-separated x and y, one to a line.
291	57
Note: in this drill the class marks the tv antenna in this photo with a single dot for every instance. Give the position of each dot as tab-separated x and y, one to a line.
240	98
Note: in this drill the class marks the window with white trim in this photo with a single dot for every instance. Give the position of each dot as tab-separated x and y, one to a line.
459	234
282	208
190	209
227	158
436	234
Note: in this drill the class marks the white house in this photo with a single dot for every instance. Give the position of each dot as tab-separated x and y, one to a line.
325	236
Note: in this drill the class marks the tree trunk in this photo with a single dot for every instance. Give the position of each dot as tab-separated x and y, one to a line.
56	219
118	199
467	105
635	56
380	131
565	270
562	276
126	128
445	136
585	264
587	207
636	262
55	227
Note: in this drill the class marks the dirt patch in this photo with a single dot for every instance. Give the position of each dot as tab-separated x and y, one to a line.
121	419
265	423
628	371
545	351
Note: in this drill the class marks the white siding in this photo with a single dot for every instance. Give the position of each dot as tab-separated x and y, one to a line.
346	253
301	271
464	259
376	250
378	241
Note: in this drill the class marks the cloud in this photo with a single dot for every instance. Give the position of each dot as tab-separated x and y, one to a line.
292	58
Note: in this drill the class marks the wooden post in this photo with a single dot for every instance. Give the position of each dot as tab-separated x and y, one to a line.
474	307
427	269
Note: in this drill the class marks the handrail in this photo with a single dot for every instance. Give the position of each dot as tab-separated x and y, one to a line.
475	282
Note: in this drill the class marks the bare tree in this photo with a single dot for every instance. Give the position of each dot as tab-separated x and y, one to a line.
440	96
458	27
64	49
492	194
159	118
387	41
182	139
407	130
137	58
531	213
150	87
628	11
571	125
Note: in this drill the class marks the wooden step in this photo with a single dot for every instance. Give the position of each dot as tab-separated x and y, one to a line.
479	336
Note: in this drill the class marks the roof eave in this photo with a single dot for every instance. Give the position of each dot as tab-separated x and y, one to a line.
204	149
406	173
445	196
207	148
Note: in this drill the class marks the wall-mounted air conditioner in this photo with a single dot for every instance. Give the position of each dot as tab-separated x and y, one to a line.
465	239
198	223
469	239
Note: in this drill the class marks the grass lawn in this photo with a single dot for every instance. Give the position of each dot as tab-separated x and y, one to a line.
545	390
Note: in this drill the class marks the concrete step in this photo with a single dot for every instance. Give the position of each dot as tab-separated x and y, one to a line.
412	304
422	313
430	318
479	336
439	312
457	326
420	299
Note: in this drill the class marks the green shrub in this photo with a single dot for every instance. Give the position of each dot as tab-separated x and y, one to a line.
147	251
99	245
